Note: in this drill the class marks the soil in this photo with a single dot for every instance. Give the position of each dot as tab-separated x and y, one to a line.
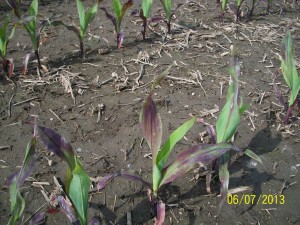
67	99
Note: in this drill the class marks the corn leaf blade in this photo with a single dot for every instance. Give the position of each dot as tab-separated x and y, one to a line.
203	153
81	14
57	144
176	136
79	189
146	7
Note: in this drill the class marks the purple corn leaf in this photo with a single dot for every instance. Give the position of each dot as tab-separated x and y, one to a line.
161	213
16	181
68	210
204	153
152	130
120	38
11	67
110	17
94	221
57	144
129	175
210	129
38	219
15	6
25	64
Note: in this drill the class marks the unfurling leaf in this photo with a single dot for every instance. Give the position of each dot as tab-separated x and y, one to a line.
152	130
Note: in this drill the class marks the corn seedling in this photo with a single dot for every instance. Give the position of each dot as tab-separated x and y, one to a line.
167	5
290	75
7	64
144	14
77	184
15	182
85	18
30	24
119	11
161	173
228	122
236	13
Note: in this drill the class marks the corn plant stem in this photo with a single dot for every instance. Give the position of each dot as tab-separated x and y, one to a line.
169	26
289	111
37	54
5	65
81	49
145	27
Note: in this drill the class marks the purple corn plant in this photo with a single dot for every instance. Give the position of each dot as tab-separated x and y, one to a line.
119	11
15	182
161	173
227	124
29	23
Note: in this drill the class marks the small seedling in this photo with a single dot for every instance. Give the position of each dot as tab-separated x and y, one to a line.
119	11
7	64
145	14
85	18
30	24
167	4
290	75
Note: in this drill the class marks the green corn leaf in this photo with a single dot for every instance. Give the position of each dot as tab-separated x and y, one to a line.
146	7
252	155
89	16
238	2
117	7
161	77
81	14
167	4
33	10
3	40
224	4
228	120
176	136
78	192
289	69
16	181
